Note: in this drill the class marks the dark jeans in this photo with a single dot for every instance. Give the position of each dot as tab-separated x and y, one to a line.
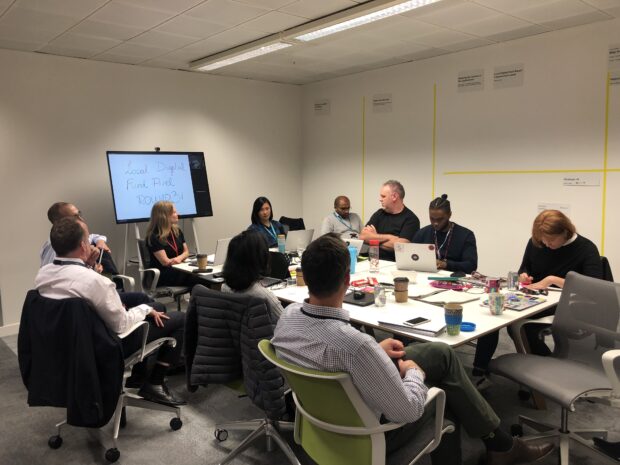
133	299
173	327
487	344
464	404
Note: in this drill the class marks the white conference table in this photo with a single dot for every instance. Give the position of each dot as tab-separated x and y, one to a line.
472	311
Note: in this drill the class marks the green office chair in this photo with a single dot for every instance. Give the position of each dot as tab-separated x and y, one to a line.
334	425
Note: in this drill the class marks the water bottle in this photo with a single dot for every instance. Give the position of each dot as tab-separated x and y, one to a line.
373	256
281	243
380	298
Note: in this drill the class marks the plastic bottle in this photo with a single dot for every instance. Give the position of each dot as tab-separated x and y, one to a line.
281	243
373	256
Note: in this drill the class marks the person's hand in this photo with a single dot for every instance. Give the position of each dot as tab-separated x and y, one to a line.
543	283
393	348
369	229
158	317
93	258
176	260
525	278
102	245
404	365
98	268
442	264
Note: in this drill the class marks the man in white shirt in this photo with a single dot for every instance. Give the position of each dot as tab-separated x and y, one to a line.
68	276
317	334
341	221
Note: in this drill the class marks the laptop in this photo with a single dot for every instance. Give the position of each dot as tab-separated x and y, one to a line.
417	257
357	243
298	239
221	250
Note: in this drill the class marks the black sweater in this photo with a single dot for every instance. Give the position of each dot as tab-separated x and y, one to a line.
581	256
462	254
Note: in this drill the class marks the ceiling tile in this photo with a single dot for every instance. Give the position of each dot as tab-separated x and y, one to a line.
66	51
82	42
578	20
129	15
527	31
456	15
236	36
20	45
311	9
32	26
510	6
609	6
267	4
226	12
493	25
193	27
169	6
136	50
109	30
466	44
164	62
163	40
274	21
550	11
441	38
71	8
116	58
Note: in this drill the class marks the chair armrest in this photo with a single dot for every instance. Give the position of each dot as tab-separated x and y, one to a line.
349	430
516	330
153	284
439	396
135	326
129	283
609	359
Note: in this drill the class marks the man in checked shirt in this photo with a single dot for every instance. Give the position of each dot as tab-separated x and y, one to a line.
317	334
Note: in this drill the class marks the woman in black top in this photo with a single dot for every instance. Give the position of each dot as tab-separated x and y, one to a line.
554	249
455	245
263	222
167	245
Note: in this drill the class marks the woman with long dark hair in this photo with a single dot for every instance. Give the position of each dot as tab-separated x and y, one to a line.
263	222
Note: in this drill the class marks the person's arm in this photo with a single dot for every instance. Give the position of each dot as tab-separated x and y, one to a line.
592	265
469	256
179	258
102	295
47	254
380	384
369	233
524	269
99	240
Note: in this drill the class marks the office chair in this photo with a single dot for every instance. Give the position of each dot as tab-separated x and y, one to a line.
335	426
221	338
69	358
150	276
294	224
585	360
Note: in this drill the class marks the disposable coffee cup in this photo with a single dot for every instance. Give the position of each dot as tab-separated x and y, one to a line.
454	317
300	277
201	261
401	283
401	296
496	303
353	258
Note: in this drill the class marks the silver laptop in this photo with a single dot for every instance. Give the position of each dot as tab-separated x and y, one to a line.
357	243
221	249
417	257
298	239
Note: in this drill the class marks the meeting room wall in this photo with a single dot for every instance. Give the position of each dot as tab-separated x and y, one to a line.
500	153
58	116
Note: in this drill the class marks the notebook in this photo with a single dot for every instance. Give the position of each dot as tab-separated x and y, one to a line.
518	302
432	328
298	239
221	250
417	257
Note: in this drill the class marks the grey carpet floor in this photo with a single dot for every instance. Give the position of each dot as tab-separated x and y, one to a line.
148	439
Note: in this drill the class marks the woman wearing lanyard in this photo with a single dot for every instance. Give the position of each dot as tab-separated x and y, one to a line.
455	246
263	222
166	244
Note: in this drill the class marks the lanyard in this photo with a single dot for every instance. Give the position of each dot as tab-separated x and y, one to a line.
173	244
341	219
447	239
271	231
61	263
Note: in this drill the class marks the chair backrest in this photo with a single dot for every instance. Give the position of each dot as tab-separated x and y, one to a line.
144	256
278	265
332	398
222	331
607	274
69	358
587	318
294	224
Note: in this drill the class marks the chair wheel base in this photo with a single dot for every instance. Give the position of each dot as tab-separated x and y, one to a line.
221	435
176	424
112	455
54	442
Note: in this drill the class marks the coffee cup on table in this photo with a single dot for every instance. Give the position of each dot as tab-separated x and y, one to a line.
201	261
454	317
496	303
401	289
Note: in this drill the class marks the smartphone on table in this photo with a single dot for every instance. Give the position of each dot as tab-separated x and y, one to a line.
416	321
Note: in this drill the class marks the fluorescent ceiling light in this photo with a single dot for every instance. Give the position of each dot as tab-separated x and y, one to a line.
244	56
361	20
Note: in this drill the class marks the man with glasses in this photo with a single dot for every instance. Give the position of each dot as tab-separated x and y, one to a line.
341	221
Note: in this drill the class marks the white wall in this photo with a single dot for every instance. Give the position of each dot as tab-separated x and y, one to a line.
58	116
554	121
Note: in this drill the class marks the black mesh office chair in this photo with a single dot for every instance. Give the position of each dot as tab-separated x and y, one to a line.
149	277
68	358
585	362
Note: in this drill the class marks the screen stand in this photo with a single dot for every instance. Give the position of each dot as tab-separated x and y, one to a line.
195	236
